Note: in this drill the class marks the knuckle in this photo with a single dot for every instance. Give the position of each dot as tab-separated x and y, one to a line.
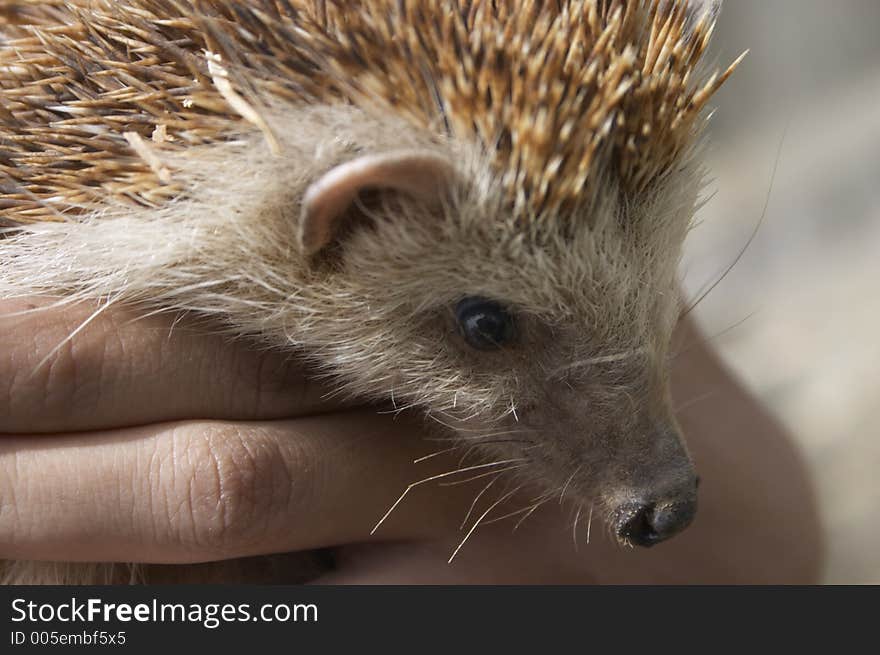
233	484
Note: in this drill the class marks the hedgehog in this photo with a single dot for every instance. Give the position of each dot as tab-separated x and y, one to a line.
472	207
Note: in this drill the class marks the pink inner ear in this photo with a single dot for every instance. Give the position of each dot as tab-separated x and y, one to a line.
415	173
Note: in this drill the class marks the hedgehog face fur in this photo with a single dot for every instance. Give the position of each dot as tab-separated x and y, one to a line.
472	207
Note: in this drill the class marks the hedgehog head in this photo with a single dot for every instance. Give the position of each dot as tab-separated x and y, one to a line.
548	348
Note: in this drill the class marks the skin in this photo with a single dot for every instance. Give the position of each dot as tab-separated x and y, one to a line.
136	441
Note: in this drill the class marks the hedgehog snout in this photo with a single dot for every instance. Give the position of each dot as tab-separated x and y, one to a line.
648	521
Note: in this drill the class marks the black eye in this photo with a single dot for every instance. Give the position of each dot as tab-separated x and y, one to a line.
485	324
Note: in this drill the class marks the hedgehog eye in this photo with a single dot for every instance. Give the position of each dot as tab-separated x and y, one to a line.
485	324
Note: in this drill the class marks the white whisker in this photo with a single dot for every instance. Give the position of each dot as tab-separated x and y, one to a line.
476	500
478	477
530	512
527	508
568	482
589	523
480	520
433	455
592	361
694	401
436	477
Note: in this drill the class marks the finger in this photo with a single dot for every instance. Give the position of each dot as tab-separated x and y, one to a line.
121	370
191	492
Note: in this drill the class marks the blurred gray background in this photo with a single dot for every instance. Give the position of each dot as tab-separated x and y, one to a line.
798	318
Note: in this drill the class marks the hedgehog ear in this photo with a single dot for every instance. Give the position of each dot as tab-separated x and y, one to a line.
421	175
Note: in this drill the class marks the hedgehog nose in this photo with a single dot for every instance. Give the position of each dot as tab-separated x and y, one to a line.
647	524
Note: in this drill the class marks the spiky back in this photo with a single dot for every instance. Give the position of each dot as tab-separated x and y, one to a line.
94	91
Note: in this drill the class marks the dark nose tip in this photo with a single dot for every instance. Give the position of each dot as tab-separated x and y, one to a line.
646	524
